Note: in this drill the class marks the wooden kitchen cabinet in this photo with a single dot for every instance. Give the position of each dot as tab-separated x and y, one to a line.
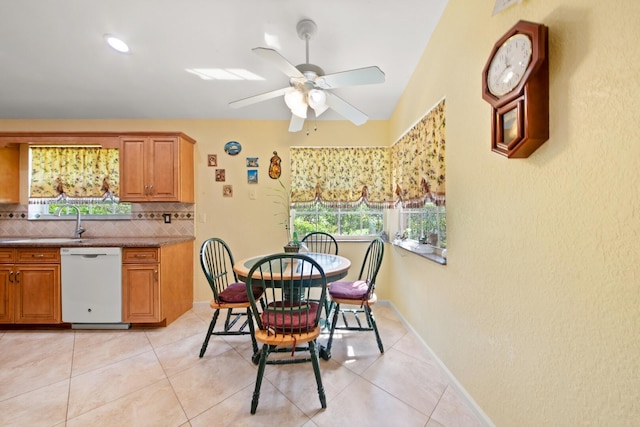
10	175
141	285
157	283
30	286
157	168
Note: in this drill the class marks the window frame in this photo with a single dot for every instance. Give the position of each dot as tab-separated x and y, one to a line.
91	207
320	209
431	215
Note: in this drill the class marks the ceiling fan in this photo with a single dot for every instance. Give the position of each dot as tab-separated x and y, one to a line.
309	87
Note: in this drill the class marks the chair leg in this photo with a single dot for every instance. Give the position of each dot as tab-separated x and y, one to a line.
325	352
252	331
328	307
316	371
256	392
372	322
209	332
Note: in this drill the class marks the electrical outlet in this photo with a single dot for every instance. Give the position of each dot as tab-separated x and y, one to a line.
252	194
167	218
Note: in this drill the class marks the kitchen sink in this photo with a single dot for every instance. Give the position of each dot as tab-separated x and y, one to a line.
44	240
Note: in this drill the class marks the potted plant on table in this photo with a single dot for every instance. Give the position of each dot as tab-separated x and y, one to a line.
283	198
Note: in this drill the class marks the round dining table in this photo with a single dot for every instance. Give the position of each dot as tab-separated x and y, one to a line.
335	267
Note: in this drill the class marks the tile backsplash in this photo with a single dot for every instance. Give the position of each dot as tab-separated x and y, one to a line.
146	220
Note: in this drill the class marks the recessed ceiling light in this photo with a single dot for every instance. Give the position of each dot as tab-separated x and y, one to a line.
223	74
116	43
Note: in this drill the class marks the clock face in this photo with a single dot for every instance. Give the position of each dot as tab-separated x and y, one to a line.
509	64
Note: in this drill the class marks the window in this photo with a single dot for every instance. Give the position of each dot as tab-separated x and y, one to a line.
340	190
85	176
427	225
89	208
347	221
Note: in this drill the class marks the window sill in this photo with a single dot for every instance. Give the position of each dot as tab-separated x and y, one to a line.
425	251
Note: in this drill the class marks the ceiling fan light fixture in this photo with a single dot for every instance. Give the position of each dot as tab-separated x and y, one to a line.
320	109
318	101
317	98
296	102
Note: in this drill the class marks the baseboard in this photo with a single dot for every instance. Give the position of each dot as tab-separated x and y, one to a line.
462	392
201	304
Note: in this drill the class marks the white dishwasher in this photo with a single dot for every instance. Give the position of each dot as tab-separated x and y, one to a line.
92	288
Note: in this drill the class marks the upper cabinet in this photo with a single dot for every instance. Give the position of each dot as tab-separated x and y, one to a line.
156	168
10	175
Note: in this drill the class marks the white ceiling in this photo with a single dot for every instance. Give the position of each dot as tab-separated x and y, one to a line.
54	63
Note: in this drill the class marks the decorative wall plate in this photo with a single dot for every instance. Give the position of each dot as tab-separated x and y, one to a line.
232	148
274	166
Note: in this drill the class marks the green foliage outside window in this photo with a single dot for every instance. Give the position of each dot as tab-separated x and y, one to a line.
359	221
427	225
92	208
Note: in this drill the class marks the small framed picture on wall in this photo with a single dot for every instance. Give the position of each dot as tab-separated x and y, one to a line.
227	191
252	176
212	159
220	175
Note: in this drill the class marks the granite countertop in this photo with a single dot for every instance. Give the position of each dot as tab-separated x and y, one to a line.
87	242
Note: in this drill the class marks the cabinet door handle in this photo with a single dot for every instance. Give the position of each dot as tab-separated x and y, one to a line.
11	277
17	277
146	190
151	190
141	255
37	255
155	275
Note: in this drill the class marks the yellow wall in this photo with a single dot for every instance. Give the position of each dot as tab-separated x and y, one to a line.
537	313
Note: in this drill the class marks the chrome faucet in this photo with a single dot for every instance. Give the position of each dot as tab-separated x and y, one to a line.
79	229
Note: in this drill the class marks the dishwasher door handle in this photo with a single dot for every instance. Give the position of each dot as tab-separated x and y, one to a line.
87	255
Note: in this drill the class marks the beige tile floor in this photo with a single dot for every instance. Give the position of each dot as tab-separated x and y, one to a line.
154	377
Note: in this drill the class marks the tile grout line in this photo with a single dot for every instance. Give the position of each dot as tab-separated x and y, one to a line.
73	353
166	376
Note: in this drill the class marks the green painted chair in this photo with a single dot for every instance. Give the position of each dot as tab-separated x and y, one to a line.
359	293
290	319
229	293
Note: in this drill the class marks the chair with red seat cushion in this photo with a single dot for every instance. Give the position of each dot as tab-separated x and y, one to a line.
324	243
228	293
289	321
359	293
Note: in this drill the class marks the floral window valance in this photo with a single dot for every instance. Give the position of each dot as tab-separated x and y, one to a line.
341	176
411	172
74	172
417	161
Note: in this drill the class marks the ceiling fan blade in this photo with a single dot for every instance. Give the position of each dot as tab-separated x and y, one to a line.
345	109
258	98
278	60
359	76
296	123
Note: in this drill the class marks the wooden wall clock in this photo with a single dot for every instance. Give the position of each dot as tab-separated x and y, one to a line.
515	81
